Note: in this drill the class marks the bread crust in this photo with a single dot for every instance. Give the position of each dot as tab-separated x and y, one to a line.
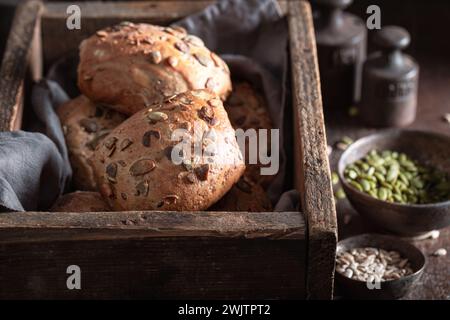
131	66
245	195
85	125
247	109
81	201
134	165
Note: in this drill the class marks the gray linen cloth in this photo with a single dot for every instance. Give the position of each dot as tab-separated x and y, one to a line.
251	36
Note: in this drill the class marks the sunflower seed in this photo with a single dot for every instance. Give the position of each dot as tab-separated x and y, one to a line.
446	117
440	252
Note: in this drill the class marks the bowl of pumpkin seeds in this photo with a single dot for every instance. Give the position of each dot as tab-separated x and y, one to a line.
399	180
375	266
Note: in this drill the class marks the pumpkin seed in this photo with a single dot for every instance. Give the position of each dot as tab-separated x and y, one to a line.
111	170
89	125
334	178
146	138
101	33
340	194
142	166
172	61
142	188
202	172
394	177
125	144
196	41
155	57
110	143
157	116
181	46
202	59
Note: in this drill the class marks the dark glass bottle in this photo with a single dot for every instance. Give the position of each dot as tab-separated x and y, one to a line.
341	44
390	81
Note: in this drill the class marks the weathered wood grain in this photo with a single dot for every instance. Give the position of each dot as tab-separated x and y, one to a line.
313	180
47	226
157	268
14	64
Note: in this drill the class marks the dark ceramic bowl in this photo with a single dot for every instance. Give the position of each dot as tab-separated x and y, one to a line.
404	219
392	289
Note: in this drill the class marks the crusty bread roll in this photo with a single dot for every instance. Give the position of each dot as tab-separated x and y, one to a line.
81	201
134	165
247	109
131	66
245	195
85	125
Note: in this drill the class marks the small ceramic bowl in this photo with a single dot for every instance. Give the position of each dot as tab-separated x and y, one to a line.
405	219
392	289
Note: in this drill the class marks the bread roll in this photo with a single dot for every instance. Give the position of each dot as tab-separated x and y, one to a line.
81	201
84	126
247	109
131	66
134	165
245	195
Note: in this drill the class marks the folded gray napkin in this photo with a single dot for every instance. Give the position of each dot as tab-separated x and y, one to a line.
250	35
34	166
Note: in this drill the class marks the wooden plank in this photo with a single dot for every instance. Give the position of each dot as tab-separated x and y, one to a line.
96	15
14	66
49	226
311	154
157	268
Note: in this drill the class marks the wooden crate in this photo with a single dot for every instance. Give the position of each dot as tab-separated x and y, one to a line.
169	254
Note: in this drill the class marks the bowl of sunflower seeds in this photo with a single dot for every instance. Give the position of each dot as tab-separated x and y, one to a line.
374	266
399	180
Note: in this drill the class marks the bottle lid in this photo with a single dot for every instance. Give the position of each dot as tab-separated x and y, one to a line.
392	38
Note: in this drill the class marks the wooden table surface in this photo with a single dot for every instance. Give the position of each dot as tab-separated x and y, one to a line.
434	101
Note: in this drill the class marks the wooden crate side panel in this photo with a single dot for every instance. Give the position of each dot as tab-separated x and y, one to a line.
311	154
15	63
188	268
28	227
97	15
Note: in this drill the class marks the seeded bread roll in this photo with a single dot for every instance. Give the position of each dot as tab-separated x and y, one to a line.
84	126
245	195
134	165
81	201
131	66
247	109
